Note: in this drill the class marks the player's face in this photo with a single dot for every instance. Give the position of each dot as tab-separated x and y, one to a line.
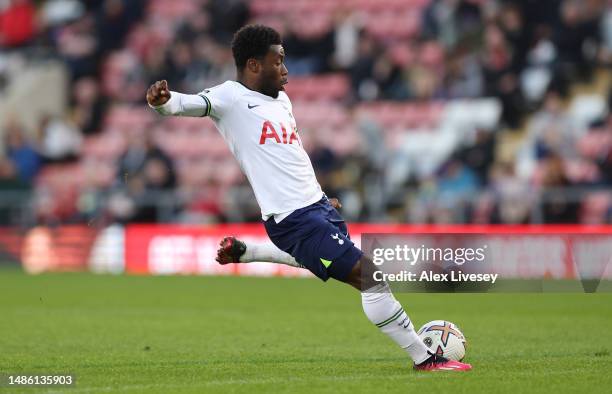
274	73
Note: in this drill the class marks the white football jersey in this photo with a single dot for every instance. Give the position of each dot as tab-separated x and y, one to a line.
261	133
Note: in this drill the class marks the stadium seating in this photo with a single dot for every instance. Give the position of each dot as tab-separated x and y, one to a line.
318	88
419	131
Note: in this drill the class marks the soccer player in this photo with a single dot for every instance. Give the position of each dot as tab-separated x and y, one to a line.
254	116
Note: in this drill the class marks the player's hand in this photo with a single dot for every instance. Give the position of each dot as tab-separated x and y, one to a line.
335	203
158	93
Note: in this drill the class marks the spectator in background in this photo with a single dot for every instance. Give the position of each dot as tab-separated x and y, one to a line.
387	76
610	106
424	74
346	38
240	204
513	102
158	172
204	204
9	178
144	173
464	75
573	31
25	159
450	21
226	17
78	45
552	131
309	46
605	54
58	12
113	21
58	140
516	34
480	155
17	170
325	161
604	162
195	26
155	64
496	58
17	23
558	207
178	61
537	75
500	79
456	183
364	88
157	176
9	182
140	152
512	194
89	105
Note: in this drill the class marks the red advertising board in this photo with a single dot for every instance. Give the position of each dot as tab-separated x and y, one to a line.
559	252
520	251
192	250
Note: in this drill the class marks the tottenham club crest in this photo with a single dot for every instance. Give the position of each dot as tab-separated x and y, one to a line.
337	238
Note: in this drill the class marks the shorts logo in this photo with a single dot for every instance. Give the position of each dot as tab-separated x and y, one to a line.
337	238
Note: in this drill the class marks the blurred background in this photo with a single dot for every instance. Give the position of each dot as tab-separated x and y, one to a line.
412	111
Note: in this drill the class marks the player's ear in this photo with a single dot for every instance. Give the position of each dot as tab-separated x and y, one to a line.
253	65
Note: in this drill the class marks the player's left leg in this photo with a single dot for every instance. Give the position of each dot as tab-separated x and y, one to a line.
382	309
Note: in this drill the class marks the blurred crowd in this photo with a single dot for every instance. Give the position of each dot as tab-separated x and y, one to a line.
527	55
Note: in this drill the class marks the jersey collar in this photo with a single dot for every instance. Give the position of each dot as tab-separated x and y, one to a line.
258	93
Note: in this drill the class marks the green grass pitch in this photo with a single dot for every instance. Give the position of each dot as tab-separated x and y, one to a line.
267	335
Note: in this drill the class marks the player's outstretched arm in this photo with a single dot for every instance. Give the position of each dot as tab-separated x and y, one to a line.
165	102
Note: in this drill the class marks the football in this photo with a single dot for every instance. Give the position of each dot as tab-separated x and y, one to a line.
444	338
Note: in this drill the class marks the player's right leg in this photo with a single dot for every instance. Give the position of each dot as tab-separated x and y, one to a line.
233	251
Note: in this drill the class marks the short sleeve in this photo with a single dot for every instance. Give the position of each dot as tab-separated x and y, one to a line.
219	99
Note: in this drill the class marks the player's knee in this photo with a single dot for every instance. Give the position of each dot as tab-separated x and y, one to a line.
362	274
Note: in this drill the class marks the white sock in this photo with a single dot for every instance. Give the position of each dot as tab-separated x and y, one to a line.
381	307
269	253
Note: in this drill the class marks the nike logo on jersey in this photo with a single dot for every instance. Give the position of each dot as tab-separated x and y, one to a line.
252	106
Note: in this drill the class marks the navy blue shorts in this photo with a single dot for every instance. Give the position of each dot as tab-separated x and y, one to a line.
317	237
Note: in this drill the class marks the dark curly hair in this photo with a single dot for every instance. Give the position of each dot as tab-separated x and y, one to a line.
253	41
